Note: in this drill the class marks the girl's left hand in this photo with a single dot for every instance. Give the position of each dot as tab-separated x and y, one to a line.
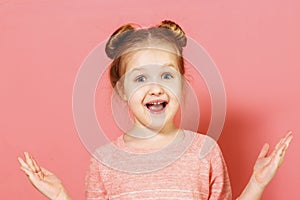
266	165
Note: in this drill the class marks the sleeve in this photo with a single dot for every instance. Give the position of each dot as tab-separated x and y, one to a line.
219	183
94	187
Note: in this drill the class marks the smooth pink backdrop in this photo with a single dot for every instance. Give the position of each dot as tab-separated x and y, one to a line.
255	44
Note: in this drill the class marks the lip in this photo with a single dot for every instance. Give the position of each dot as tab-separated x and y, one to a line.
155	102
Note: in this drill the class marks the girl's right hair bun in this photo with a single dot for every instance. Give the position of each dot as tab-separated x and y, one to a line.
177	31
116	39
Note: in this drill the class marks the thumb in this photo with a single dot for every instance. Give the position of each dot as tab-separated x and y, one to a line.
264	151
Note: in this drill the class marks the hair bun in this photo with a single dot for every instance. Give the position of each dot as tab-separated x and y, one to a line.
117	38
177	31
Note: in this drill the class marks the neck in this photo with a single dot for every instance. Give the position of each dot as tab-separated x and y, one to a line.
143	132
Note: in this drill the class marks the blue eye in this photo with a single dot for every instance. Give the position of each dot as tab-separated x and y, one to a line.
166	76
140	79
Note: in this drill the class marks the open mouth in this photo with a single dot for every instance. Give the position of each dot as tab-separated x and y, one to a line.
156	106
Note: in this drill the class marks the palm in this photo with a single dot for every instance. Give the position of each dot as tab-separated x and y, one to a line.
266	166
48	184
45	181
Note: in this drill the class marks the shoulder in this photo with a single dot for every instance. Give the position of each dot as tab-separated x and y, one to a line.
200	139
203	144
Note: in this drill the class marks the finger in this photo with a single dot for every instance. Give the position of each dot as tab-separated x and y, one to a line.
278	158
279	152
31	176
276	148
39	172
279	143
37	167
22	163
264	151
288	140
46	172
29	161
27	171
287	136
282	153
289	133
287	143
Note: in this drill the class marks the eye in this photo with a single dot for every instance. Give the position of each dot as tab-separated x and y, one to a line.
166	76
140	79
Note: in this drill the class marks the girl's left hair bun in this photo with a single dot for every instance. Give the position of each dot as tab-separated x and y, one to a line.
177	31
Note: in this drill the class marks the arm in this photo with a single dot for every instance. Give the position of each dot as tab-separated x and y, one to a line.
265	168
43	180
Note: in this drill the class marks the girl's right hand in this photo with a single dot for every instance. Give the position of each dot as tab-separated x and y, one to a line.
43	180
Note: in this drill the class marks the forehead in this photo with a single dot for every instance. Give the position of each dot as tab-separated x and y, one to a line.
151	56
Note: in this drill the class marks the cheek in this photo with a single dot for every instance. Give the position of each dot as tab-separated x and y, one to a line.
135	97
175	90
175	104
132	89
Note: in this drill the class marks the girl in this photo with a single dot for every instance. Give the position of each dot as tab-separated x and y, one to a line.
155	159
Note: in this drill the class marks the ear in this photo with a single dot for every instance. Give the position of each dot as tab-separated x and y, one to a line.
120	90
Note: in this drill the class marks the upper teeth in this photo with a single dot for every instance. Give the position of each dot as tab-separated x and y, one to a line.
156	103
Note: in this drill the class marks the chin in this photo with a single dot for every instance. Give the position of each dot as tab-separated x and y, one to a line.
158	125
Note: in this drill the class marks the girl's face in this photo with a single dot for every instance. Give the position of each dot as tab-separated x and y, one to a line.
152	87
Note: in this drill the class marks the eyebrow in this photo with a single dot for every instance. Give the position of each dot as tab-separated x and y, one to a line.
168	65
162	66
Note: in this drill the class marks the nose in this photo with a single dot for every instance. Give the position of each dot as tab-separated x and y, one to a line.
156	90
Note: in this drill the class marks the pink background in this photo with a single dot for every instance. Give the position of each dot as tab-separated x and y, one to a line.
255	44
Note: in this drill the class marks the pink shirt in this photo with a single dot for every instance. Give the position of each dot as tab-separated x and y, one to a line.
191	176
